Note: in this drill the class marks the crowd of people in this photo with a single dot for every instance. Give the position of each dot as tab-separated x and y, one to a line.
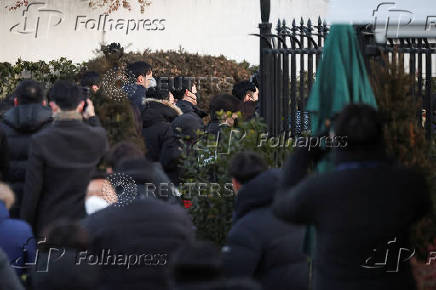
63	226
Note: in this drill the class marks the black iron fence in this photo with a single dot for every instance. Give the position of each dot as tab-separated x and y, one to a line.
290	57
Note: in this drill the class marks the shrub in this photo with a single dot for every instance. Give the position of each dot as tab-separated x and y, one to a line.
208	163
405	138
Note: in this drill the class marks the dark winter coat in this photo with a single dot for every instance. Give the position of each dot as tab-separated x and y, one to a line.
190	109
150	179
356	209
157	131
136	94
261	246
149	227
19	124
16	239
62	158
4	156
8	279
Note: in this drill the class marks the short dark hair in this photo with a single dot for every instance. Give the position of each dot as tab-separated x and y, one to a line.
28	92
139	68
224	103
242	88
245	166
90	78
158	94
122	151
361	125
66	94
181	84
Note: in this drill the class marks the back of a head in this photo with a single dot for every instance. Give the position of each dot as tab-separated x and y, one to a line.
245	166
158	94
139	68
28	92
89	79
181	84
66	234
224	103
361	125
195	262
123	151
66	94
242	88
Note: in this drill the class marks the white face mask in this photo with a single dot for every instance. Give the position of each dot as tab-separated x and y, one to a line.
94	203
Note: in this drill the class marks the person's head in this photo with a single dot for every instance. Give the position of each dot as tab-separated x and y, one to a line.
159	94
65	241
361	126
185	89
91	80
28	92
244	167
246	91
7	196
196	262
225	103
66	233
120	152
66	96
142	72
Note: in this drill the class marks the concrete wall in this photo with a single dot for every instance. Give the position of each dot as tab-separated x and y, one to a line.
69	28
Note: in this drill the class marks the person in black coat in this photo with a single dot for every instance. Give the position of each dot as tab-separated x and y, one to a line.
136	92
259	245
26	118
157	131
186	96
148	232
61	161
150	179
360	210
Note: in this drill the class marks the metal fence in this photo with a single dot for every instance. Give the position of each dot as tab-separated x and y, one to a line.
289	58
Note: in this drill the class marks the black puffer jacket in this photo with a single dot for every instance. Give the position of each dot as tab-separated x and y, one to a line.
19	124
261	246
158	134
188	108
146	231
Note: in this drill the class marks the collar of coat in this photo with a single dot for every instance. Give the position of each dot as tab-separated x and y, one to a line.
164	102
68	115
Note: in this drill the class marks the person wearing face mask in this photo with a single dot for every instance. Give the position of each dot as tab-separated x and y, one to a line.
185	95
136	92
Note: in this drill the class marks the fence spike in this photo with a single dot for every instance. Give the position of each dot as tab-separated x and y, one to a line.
302	21
309	23
319	21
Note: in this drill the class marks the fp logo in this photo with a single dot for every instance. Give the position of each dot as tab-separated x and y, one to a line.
37	18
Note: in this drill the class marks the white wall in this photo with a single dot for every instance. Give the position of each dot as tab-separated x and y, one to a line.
205	26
